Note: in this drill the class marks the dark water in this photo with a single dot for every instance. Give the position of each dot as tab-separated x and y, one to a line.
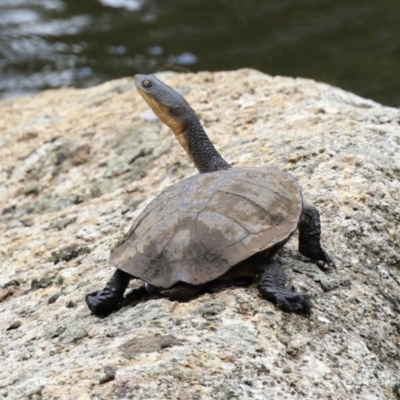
354	44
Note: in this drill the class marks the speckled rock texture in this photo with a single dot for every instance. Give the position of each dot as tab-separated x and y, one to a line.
78	166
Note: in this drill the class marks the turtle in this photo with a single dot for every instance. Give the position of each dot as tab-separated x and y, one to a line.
218	228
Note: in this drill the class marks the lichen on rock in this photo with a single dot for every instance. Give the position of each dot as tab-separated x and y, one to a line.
79	165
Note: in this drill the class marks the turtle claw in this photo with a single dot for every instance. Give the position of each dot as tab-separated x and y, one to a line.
288	299
326	261
103	302
290	287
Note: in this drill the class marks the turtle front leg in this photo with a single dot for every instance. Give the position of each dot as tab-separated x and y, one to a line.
107	300
310	236
272	287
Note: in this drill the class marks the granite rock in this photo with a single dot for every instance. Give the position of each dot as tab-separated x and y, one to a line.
77	166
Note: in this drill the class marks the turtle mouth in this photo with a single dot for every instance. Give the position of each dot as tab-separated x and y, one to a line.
154	104
159	109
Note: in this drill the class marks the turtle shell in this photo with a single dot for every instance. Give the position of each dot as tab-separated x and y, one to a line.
199	228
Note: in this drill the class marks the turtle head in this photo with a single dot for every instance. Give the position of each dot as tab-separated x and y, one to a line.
169	106
172	109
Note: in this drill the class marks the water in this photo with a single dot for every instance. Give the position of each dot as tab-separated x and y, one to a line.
354	44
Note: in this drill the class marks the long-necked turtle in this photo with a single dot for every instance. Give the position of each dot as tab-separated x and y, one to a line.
212	227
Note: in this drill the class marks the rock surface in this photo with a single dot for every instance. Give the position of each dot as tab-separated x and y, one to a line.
77	166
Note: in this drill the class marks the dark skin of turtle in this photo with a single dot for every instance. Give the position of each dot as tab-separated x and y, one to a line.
179	262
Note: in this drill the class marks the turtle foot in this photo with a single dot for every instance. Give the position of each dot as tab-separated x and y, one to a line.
325	262
288	299
319	256
103	302
182	292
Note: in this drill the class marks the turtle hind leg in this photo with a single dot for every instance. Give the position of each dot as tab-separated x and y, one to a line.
310	236
107	300
272	287
183	292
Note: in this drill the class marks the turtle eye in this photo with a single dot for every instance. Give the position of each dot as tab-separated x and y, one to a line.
146	83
